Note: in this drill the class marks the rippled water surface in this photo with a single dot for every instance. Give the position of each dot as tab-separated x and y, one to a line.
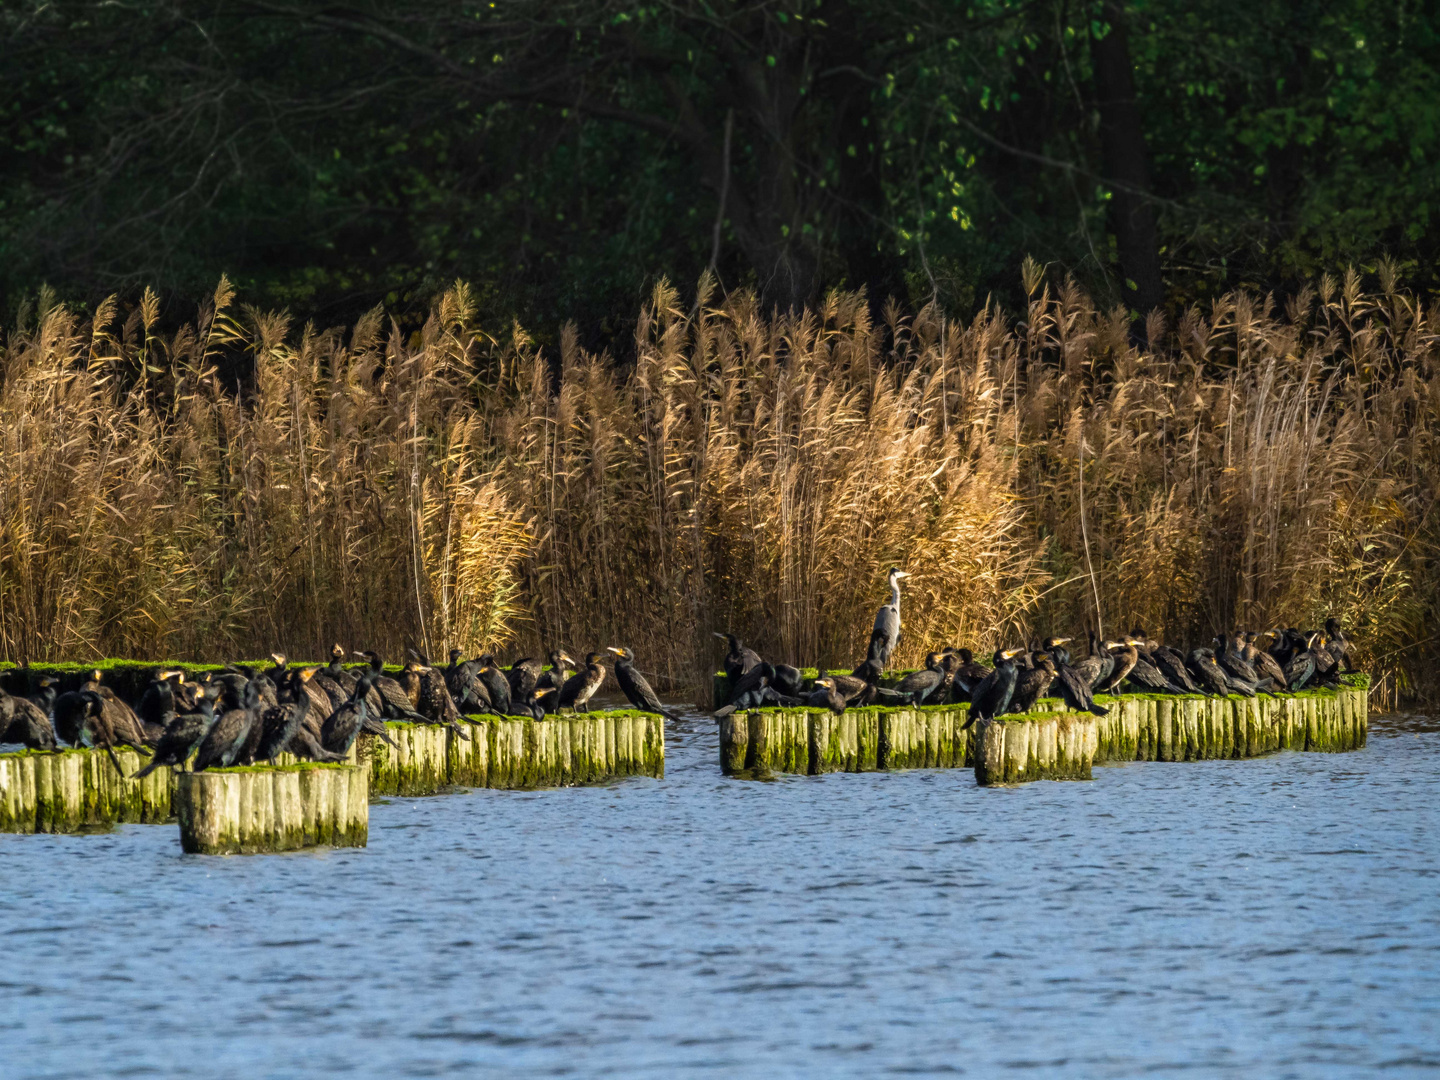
1261	918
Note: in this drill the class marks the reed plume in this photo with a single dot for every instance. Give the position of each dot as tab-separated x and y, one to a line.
244	483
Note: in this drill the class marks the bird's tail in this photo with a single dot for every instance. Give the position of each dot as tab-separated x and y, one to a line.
1099	710
110	752
723	711
146	771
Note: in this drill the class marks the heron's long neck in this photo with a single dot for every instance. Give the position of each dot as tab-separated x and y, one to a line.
895	594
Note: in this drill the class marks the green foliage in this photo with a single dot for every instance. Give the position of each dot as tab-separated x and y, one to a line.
564	155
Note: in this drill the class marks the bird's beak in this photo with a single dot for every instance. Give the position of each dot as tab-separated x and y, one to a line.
1062	641
279	658
357	652
613	649
567	658
1010	654
902	573
721	636
307	674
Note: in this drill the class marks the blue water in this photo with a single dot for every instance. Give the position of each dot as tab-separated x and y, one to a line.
1266	918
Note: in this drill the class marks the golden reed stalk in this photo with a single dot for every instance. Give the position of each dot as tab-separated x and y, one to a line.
243	484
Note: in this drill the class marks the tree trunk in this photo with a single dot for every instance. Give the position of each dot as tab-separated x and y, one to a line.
1126	164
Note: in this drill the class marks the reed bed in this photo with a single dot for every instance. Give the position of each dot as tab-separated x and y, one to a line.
246	483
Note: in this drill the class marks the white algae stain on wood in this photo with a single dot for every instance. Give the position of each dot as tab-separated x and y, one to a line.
257	809
1043	745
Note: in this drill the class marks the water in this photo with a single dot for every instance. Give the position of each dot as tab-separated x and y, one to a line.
1257	918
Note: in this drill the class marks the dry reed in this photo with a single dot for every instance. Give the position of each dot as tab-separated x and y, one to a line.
244	484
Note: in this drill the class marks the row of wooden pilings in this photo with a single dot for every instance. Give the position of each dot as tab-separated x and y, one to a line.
1045	744
301	804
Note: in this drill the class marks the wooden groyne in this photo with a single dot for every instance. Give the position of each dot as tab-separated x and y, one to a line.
1049	743
256	809
515	753
75	790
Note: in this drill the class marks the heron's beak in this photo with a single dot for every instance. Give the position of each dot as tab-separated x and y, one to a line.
902	573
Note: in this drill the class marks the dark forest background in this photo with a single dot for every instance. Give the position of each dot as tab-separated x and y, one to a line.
563	156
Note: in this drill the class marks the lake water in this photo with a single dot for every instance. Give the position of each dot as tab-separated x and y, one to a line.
1266	918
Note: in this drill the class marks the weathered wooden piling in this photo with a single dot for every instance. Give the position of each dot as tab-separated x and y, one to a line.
1049	743
262	808
515	752
75	790
860	740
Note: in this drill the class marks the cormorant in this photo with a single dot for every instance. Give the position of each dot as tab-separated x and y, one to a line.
44	698
182	736
581	687
1301	667
992	697
1146	675
1237	667
1125	662
345	724
967	676
1338	644
1073	686
1171	665
280	673
157	704
433	700
1032	683
1095	667
751	692
22	721
524	676
738	660
467	689
120	724
787	680
284	720
918	686
394	702
886	634
74	713
1209	674
634	685
1263	663
227	737
826	696
553	677
337	683
496	685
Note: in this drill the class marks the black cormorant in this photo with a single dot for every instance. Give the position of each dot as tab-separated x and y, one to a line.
1301	667
394	702
1210	675
223	744
1171	664
1239	670
581	687
524	676
182	736
1095	667
918	686
157	704
886	634
283	720
1145	674
119	724
1126	657
634	685
738	660
1033	682
992	697
967	676
1339	645
826	696
496	685
1074	688
553	677
22	721
44	697
1263	663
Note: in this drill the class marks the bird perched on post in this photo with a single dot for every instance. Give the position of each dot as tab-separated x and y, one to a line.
920	686
634	685
992	696
886	634
582	686
826	696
